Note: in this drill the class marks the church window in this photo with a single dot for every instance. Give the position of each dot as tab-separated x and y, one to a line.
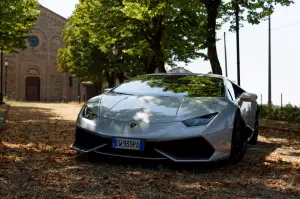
33	41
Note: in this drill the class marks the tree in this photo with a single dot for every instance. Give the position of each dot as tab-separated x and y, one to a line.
163	31
253	12
212	7
79	57
82	58
16	19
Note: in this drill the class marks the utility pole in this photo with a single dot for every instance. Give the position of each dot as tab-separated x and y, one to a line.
78	87
6	65
237	9
1	78
115	71
225	54
269	71
115	53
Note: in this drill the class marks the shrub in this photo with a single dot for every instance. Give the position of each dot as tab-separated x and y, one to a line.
288	113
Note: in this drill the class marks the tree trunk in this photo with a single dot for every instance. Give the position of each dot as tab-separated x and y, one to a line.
159	54
156	63
98	84
160	64
100	87
110	79
158	59
150	67
121	77
212	12
150	70
154	37
96	88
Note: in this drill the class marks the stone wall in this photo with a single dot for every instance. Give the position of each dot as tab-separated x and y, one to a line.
40	61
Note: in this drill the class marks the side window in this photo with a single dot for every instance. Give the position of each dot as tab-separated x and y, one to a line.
230	90
237	91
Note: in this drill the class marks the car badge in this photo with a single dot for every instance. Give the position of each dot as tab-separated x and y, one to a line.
132	125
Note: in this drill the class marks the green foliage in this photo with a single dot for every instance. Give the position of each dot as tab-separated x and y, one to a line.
288	113
16	19
80	57
147	33
86	60
252	12
170	30
222	11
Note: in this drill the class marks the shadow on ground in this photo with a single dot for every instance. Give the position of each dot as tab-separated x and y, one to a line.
36	162
261	150
253	177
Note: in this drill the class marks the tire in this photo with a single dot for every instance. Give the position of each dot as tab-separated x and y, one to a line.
90	156
254	138
239	140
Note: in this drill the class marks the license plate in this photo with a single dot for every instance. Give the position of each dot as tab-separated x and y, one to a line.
131	144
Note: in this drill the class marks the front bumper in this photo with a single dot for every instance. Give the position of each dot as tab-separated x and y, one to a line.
184	150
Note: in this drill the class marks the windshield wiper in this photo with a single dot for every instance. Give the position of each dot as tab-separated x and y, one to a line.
120	93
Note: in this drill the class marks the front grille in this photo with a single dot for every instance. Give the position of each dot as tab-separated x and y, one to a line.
193	148
85	140
147	153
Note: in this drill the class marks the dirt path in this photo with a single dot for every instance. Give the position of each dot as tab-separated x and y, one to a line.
36	162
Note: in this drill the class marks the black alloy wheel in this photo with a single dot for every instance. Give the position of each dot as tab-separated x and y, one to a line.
238	141
254	138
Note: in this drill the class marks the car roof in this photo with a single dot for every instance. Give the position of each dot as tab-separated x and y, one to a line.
196	74
199	74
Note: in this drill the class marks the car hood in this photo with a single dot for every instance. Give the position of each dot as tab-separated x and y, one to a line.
153	109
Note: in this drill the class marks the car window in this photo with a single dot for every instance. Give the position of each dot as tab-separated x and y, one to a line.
173	85
237	90
230	90
230	95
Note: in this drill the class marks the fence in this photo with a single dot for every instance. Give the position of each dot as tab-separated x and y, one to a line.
286	112
281	100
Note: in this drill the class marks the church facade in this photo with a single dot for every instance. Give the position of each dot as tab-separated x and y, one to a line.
32	73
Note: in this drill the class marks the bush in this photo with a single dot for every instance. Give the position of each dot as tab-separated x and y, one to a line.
288	113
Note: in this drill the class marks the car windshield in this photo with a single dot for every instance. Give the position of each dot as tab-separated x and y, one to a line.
173	85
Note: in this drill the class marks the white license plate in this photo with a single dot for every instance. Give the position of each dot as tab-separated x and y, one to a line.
132	144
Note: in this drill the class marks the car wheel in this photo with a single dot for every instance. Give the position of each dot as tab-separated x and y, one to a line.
254	138
90	156
238	141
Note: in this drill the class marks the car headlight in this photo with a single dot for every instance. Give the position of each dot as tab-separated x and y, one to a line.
89	112
197	121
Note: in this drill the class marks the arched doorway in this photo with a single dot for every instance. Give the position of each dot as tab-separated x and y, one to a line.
33	89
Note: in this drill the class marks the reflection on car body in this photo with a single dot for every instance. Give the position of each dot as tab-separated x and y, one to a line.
180	117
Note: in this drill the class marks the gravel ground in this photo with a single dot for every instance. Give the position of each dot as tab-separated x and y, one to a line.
36	162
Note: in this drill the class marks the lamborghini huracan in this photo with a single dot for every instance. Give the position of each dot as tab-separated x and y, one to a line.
179	117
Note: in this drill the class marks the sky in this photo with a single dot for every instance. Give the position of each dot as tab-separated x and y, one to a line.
285	31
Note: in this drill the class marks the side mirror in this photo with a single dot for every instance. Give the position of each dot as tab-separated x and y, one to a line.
107	89
249	97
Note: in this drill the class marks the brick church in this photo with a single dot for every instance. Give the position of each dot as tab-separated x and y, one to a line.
32	73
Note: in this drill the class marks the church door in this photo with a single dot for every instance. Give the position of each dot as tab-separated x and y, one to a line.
33	89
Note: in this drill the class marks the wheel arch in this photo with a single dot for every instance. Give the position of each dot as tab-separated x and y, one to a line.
257	110
238	111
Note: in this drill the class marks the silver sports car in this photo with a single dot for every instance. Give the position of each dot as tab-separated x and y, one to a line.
181	117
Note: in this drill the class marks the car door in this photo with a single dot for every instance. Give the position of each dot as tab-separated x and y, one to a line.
247	108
